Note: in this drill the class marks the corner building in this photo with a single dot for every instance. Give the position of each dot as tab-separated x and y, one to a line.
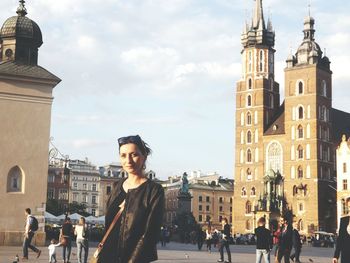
285	152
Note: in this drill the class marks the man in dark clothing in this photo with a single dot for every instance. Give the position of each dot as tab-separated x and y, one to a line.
28	235
285	242
263	241
224	242
296	245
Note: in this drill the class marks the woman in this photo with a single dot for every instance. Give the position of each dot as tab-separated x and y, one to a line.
82	239
209	238
135	235
66	239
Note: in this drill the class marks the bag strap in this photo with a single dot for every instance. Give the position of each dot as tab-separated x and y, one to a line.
115	219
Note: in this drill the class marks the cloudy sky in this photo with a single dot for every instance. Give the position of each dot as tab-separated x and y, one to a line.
167	70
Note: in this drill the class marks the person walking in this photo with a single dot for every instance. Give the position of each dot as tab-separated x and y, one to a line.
285	242
224	242
296	244
200	237
81	232
343	240
263	241
52	251
208	238
30	227
66	239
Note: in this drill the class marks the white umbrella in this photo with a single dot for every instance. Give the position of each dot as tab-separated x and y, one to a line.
50	217
91	219
75	217
101	220
61	217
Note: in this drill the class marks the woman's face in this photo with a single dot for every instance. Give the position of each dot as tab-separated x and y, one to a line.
131	159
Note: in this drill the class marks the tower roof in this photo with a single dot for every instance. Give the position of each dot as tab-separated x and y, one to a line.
21	26
257	33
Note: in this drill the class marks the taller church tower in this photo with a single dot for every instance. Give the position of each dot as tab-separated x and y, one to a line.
25	116
257	103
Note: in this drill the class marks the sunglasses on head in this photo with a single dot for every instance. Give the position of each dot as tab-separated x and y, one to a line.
130	139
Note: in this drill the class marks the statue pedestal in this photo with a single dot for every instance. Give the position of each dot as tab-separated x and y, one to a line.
184	203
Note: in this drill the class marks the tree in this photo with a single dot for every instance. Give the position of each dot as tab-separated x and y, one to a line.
54	207
78	208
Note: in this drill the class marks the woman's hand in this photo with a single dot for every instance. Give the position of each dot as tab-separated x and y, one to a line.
335	260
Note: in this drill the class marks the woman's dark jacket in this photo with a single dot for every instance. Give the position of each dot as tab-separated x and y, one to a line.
136	233
343	241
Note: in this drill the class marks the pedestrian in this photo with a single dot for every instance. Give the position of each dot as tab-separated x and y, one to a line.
297	244
224	241
263	241
200	237
66	239
52	250
136	233
208	238
285	242
343	240
81	231
30	227
276	238
163	233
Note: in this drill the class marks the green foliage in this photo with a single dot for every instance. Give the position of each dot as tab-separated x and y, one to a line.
78	208
53	206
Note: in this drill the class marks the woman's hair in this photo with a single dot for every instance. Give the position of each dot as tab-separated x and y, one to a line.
82	221
135	139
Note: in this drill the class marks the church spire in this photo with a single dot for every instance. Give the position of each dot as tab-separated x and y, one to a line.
258	18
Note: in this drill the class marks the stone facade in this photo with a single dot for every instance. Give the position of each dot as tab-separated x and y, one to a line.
285	153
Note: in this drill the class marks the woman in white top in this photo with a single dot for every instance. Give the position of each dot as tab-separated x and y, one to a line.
82	240
209	238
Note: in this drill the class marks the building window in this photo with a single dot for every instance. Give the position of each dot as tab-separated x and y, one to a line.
261	60
300	132
75	185
253	191
249	118
94	188
51	178
271	101
248	207
230	200
207	208
249	174
300	207
249	83
200	218
324	88
249	100
300	172
244	192
344	167
249	156
200	198
220	218
250	61
75	197
93	212
300	88
108	189
247	225
221	200
300	152
207	199
249	137
200	207
93	199
15	179
220	208
84	186
50	193
63	194
345	184
301	112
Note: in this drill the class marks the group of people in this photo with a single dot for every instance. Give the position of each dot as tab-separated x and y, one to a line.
65	239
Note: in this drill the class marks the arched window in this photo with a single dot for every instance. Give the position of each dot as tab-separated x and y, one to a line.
15	180
271	101
300	88
253	191
248	225
300	152
301	225
300	172
301	112
324	88
249	156
244	192
248	207
250	61
249	174
249	100
300	132
261	61
249	118
249	137
250	83
295	190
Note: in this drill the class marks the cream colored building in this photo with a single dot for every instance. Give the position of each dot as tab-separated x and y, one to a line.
343	177
25	116
285	152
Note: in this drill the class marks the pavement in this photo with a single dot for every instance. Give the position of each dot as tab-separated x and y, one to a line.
177	252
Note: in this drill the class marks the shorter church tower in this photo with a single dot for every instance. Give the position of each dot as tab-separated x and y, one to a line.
25	116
